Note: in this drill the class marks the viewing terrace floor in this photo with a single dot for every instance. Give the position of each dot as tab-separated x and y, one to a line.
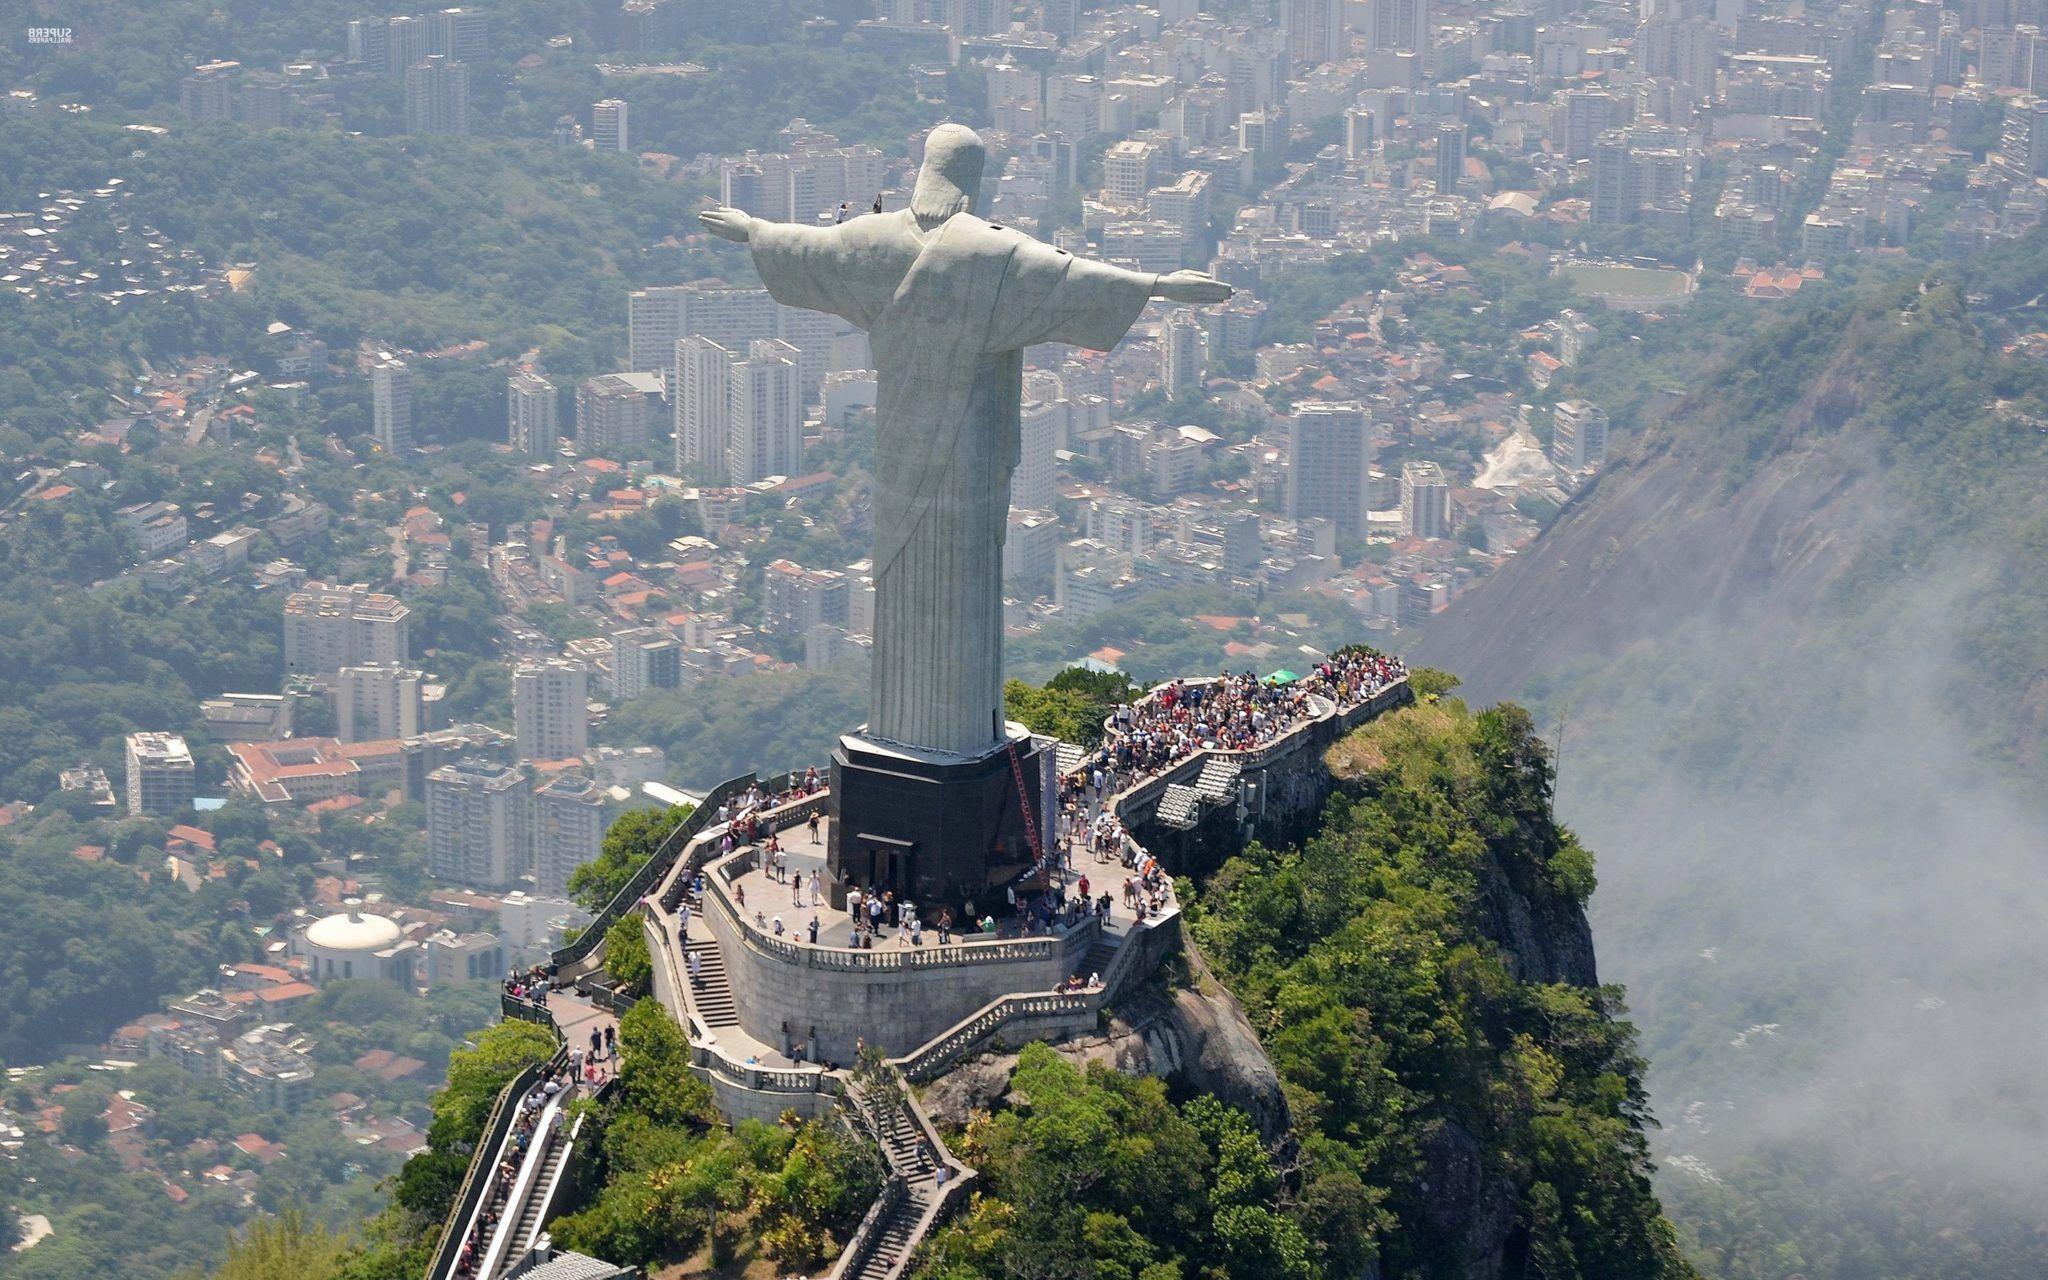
770	900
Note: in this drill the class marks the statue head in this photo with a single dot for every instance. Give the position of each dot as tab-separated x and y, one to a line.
950	181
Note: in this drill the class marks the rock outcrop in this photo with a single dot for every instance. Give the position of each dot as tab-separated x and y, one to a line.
1194	1035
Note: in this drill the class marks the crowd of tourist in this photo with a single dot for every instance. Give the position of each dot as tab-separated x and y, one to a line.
1233	712
531	985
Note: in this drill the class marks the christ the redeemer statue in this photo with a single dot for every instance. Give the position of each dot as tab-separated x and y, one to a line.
949	302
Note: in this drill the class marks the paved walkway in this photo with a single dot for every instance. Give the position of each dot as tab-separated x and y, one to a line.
794	905
577	1017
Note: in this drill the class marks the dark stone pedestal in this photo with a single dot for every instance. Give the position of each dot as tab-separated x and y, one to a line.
938	830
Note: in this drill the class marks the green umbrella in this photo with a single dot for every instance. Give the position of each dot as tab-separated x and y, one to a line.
1282	676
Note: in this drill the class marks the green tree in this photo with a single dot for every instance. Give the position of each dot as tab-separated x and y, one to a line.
632	839
626	957
654	1068
287	1247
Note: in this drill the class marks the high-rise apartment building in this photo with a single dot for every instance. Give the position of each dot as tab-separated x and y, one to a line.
568	830
160	774
551	708
1400	26
1425	501
369	42
391	405
533	412
1361	134
208	94
1183	353
800	185
437	96
374	703
645	658
608	125
795	599
615	412
1129	170
463	34
658	318
327	628
700	394
476	823
765	430
1635	171
1315	29
1450	156
407	43
1184	203
1329	457
1578	435
1035	482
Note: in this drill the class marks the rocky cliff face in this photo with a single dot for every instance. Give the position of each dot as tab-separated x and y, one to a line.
1797	638
1196	1035
1660	540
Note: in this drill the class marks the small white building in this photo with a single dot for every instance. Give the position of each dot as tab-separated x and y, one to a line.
356	944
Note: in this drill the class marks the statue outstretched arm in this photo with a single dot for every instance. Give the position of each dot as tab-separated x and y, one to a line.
728	224
1194	288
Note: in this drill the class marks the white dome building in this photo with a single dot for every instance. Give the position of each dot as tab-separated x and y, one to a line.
355	944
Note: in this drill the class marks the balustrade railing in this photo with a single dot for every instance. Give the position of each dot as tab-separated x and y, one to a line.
861	1244
718	883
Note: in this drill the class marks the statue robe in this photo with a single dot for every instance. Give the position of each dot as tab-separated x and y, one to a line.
948	313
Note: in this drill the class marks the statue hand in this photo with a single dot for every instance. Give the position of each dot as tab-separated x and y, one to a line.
726	224
1195	288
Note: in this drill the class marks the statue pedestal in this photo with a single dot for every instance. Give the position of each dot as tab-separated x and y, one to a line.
937	828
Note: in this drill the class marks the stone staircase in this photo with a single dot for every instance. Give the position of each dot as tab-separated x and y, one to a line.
897	1235
1099	956
711	993
910	1203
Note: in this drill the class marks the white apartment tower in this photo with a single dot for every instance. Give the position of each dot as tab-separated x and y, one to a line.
1329	464
437	96
1035	482
533	414
700	396
1425	501
327	628
550	708
160	774
1578	435
376	703
476	823
1400	26
1183	353
1315	30
765	426
658	318
608	125
391	405
567	830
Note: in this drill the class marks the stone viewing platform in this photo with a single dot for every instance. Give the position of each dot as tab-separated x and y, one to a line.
774	1021
771	1014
